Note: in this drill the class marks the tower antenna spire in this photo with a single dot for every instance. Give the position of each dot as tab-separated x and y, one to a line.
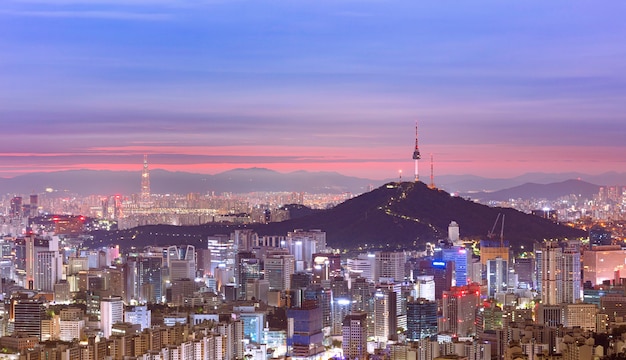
416	155
432	173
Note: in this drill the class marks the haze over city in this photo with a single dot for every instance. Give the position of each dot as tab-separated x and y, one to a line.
499	89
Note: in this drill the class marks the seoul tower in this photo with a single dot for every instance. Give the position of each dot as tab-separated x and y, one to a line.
416	155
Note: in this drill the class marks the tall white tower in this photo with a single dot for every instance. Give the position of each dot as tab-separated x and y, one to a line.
416	155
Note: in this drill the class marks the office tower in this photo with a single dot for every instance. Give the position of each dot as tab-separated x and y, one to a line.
34	205
181	289
182	269
223	251
49	267
245	239
497	276
26	255
303	244
149	278
248	268
104	203
524	268
278	270
390	265
339	287
462	259
354	334
304	331
364	266
111	312
16	208
459	309
139	315
323	299
340	309
361	295
421	318
385	314
28	314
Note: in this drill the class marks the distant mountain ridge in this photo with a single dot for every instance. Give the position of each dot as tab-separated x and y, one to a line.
550	191
467	183
107	182
397	215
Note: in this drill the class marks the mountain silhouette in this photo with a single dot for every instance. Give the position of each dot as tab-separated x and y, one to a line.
395	215
550	191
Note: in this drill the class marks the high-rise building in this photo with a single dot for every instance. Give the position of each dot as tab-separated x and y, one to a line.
48	270
34	205
385	314
497	276
149	278
278	270
16	208
462	262
421	319
459	309
340	309
559	268
524	269
28	314
390	265
323	299
111	312
145	183
303	244
304	331
361	295
248	268
354	333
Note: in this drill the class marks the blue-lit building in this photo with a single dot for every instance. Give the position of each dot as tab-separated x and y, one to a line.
462	261
253	326
304	331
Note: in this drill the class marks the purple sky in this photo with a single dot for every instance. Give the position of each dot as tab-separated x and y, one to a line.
499	88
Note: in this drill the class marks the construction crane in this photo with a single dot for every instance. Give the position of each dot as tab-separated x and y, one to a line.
491	234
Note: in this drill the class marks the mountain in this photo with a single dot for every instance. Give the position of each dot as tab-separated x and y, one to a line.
105	182
396	215
550	191
472	183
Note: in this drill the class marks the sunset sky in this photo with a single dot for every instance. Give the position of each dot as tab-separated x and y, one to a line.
500	88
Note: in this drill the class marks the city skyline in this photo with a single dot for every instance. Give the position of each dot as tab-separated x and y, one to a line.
498	89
